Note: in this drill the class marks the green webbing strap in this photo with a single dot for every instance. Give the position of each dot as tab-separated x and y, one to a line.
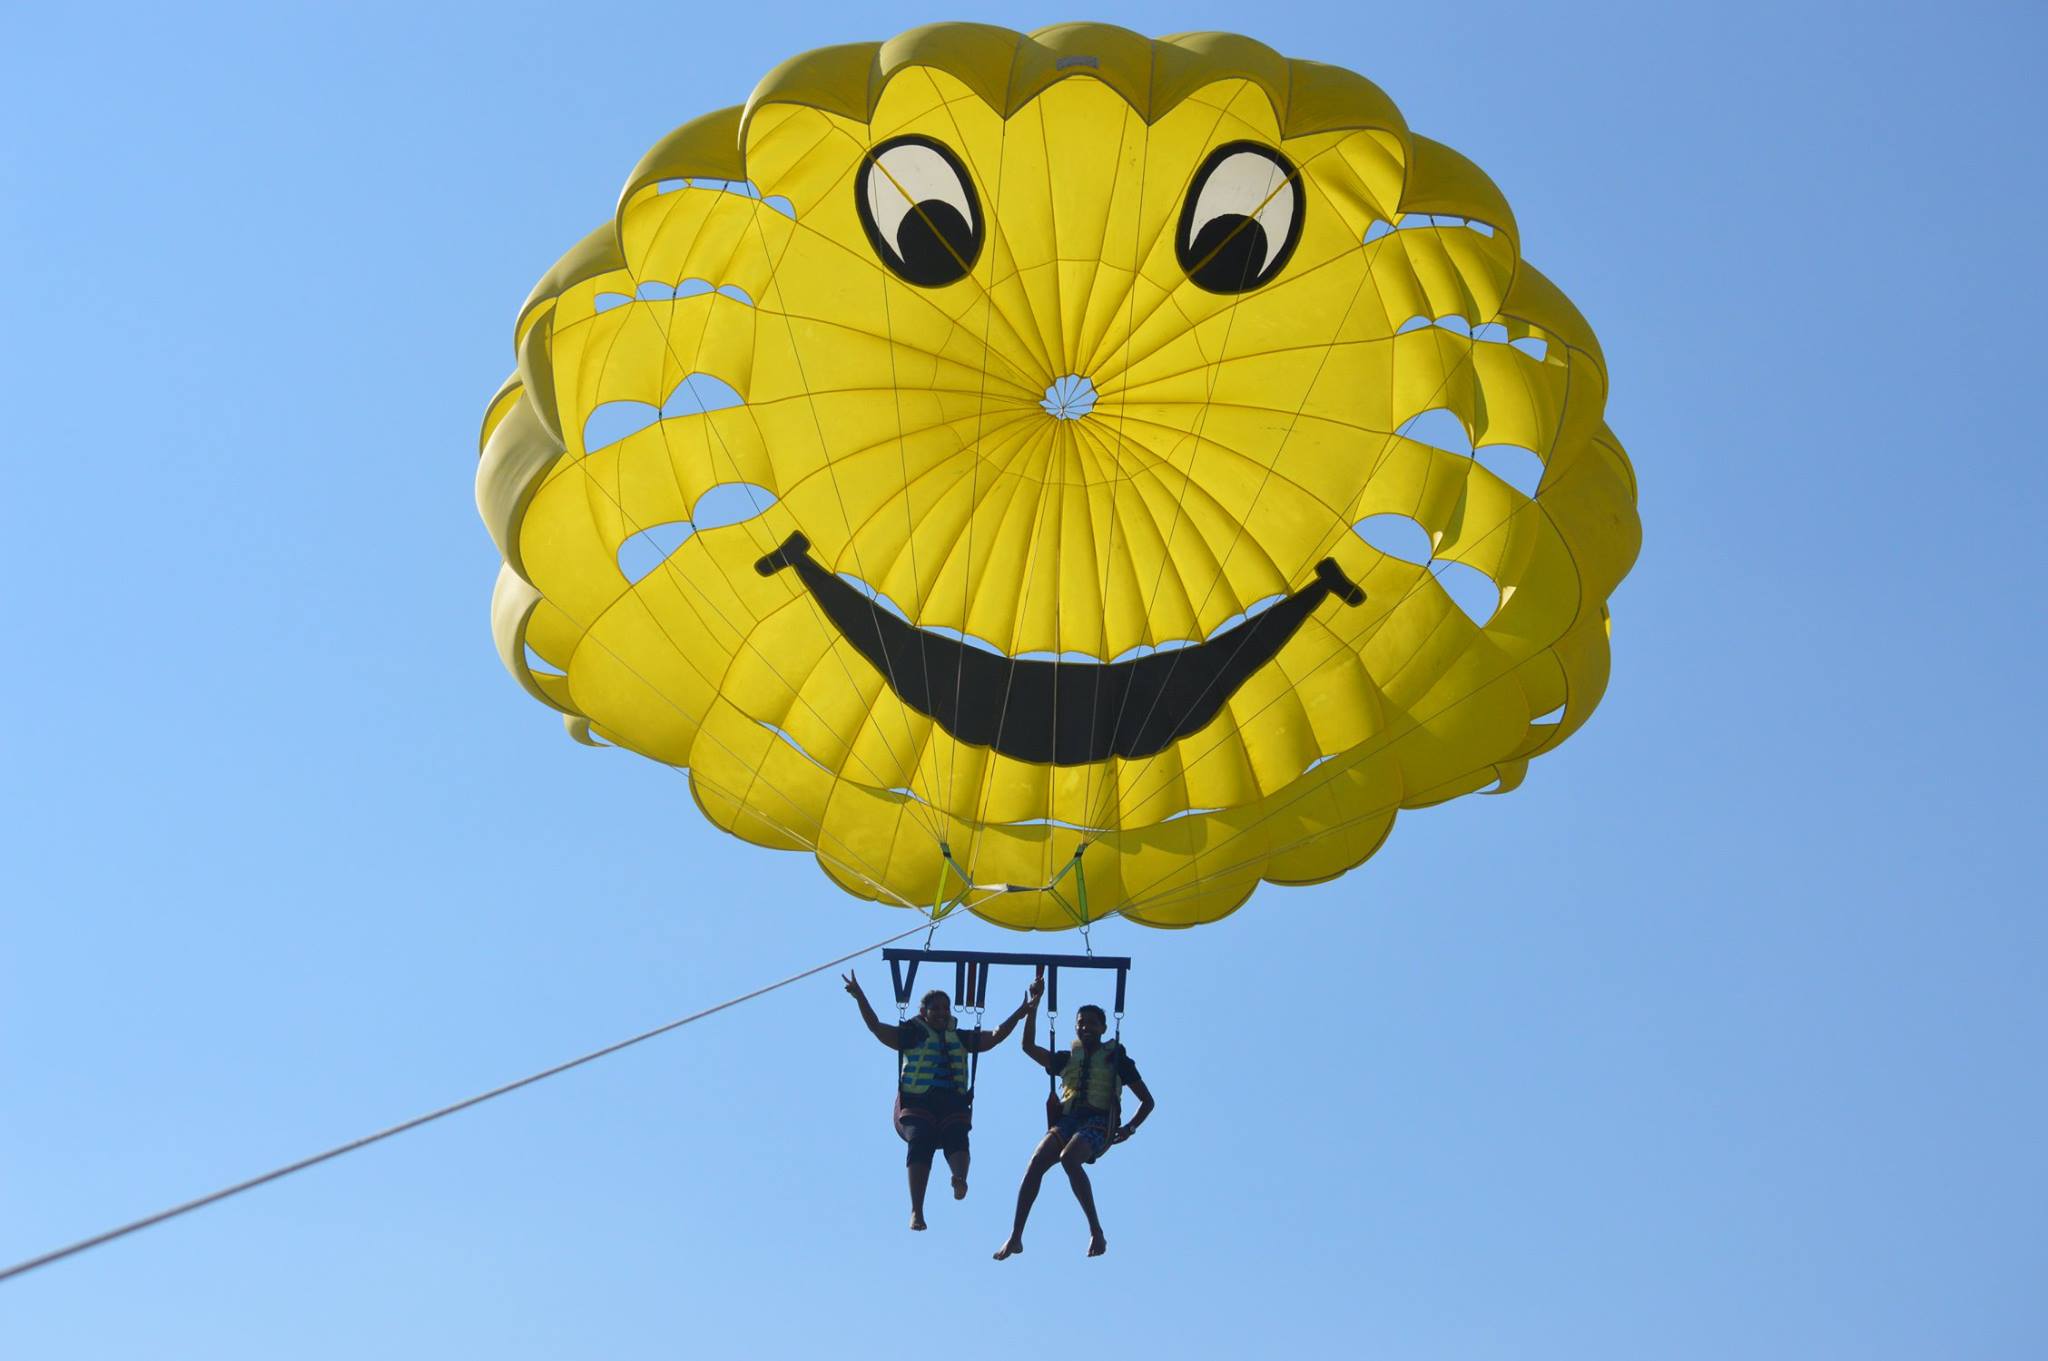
1078	914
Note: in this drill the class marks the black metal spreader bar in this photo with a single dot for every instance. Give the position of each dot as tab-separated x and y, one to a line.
970	972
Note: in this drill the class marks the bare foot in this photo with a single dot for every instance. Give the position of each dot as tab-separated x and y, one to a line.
959	1186
1011	1248
916	1221
1097	1244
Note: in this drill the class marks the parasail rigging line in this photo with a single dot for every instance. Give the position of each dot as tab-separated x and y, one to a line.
817	845
701	604
1506	525
993	218
934	828
1115	789
1393	733
1117	453
1100	818
949	788
278	1173
676	575
1137	267
1113	785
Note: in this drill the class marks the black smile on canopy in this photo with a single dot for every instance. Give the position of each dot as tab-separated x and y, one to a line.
1062	713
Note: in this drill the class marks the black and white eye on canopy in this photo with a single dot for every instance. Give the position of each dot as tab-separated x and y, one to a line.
918	207
1241	220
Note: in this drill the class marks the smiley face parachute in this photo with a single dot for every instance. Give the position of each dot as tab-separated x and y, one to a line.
984	459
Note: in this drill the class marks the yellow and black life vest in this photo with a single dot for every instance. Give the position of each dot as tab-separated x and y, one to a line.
1093	1079
933	1055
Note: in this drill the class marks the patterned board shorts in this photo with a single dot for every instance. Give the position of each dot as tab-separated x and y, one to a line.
1091	1126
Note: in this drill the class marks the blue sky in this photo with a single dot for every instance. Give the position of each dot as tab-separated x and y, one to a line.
1718	1038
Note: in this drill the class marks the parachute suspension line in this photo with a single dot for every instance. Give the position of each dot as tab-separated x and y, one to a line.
278	1173
1077	911
1387	739
1384	621
934	827
1386	615
816	844
1111	778
1100	819
1097	821
1031	572
951	794
1392	735
689	590
681	581
910	528
942	903
1081	897
1187	889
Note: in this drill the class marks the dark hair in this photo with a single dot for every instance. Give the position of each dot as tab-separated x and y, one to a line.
939	993
1087	1007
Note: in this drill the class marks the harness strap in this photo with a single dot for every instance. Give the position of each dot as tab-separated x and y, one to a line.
977	979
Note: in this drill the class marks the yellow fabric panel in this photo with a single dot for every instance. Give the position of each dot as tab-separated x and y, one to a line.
1442	181
512	604
902	431
703	233
518	451
502	405
707	145
594	254
631	676
536	370
553	636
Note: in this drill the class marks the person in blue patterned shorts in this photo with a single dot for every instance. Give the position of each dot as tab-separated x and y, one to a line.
1085	1118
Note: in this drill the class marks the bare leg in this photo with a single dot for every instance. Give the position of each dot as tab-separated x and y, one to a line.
957	1160
1075	1159
920	1173
1042	1158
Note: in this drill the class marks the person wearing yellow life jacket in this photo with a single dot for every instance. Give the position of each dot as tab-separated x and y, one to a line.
934	1083
1085	1117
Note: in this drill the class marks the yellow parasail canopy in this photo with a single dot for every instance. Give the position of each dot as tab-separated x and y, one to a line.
984	450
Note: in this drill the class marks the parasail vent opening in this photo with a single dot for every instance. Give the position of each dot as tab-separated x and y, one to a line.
641	553
743	188
1439	428
698	394
1408	222
727	503
1069	398
1398	536
1520	468
1470	589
